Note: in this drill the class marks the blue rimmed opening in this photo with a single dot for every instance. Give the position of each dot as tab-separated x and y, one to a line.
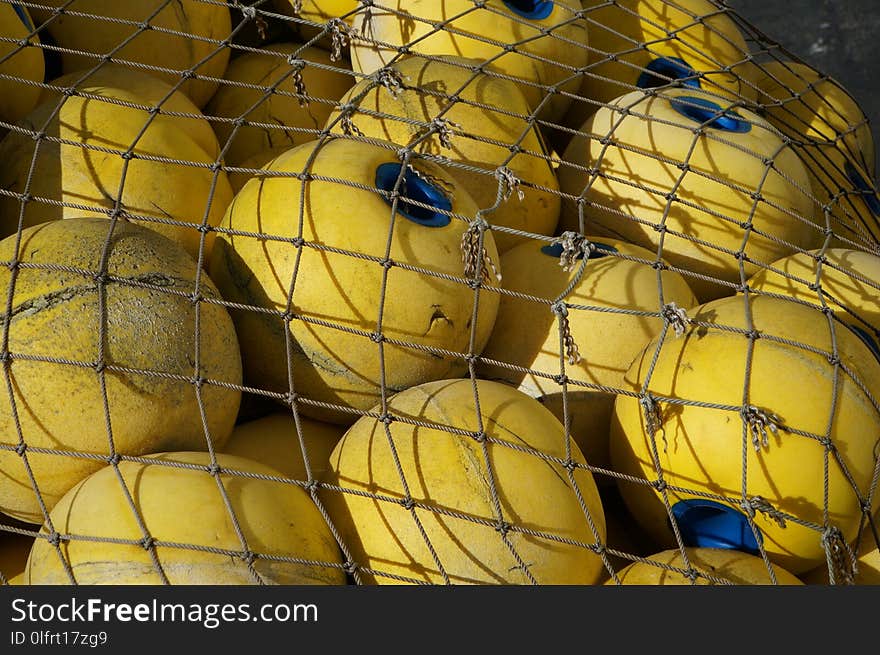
600	250
868	340
531	9
707	524
664	70
417	189
704	111
862	186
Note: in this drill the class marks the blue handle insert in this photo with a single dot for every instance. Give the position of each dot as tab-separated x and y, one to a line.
705	523
664	70
704	111
413	187
531	9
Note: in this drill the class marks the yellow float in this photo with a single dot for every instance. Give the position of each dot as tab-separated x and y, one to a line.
319	11
614	308
867	570
274	440
184	512
831	134
655	42
539	43
345	218
17	99
711	566
293	114
682	169
125	85
849	282
730	443
148	344
845	199
189	38
451	109
461	490
807	105
169	185
257	162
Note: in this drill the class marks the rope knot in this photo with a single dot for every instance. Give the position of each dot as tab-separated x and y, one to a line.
340	34
651	408
676	317
443	128
760	504
348	126
574	246
841	558
760	424
391	79
474	255
509	183
572	353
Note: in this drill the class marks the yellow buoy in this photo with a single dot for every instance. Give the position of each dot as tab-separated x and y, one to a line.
326	241
257	162
738	426
182	512
613	308
708	566
832	136
116	82
18	99
189	38
682	171
867	570
805	104
274	440
651	43
539	43
451	109
846	281
844	199
156	170
305	85
319	11
424	504
61	334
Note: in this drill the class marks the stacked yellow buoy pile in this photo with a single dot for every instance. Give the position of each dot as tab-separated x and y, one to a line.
447	291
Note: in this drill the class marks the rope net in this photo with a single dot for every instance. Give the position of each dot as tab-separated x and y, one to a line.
432	292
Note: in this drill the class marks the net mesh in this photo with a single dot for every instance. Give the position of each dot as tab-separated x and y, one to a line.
472	291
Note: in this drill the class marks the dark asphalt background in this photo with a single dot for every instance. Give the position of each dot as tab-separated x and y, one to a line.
838	37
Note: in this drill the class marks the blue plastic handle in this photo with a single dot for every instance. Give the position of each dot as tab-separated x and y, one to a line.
705	523
413	187
704	111
530	9
664	70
